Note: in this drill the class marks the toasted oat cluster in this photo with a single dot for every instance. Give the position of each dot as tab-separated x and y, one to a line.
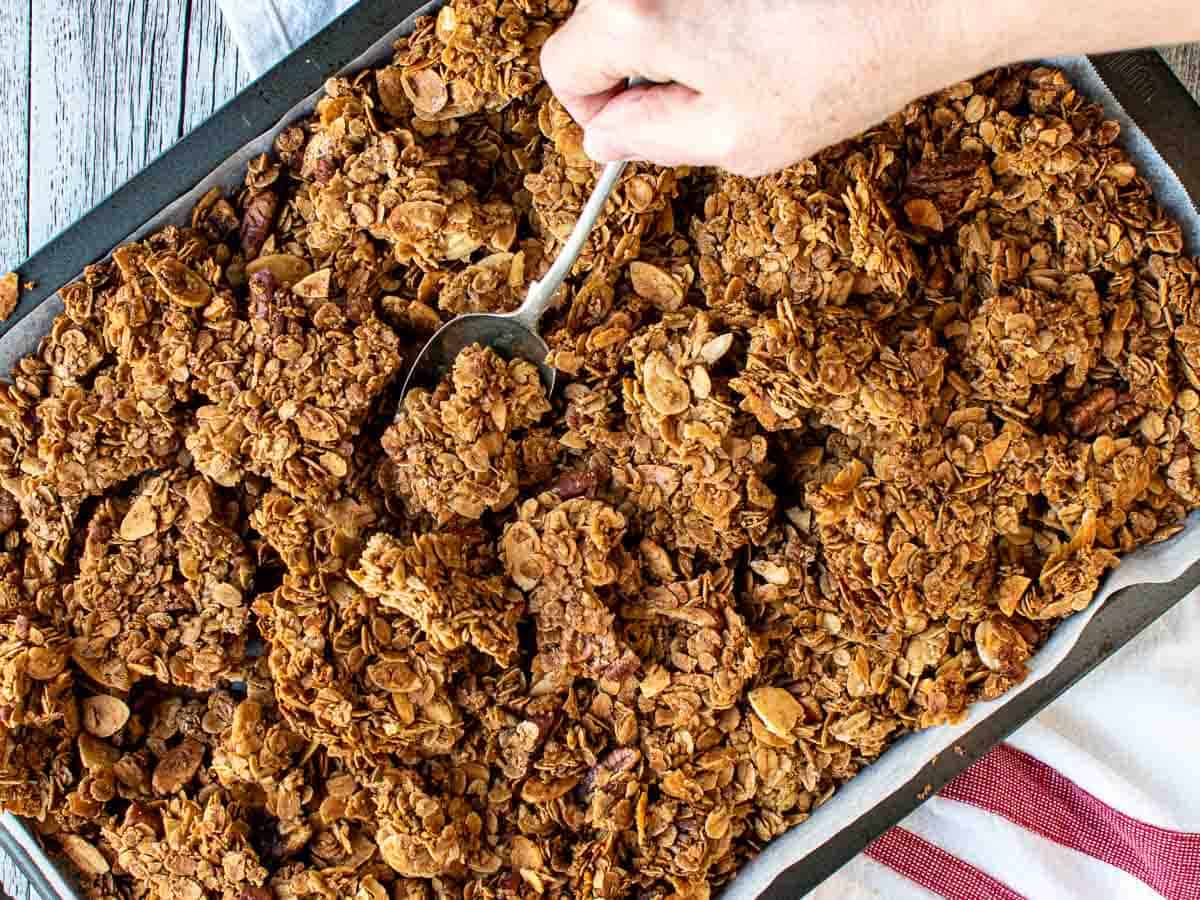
832	452
455	452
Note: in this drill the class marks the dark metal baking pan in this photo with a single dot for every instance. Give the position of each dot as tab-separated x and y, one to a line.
1142	84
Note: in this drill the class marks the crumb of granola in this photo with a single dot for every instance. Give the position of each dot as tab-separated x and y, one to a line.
10	289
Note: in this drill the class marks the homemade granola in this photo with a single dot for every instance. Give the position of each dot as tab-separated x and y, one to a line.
833	452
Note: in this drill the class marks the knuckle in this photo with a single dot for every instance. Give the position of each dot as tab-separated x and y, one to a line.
634	15
730	149
548	59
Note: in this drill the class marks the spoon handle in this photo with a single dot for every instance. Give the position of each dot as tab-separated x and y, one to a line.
541	293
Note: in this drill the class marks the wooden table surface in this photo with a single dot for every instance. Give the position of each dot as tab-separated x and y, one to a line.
92	90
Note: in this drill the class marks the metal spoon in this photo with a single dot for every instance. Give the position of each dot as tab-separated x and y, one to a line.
515	334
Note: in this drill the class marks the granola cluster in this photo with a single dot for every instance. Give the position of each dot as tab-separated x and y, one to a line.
455	453
833	451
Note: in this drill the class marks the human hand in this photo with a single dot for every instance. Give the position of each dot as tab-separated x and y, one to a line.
749	86
755	85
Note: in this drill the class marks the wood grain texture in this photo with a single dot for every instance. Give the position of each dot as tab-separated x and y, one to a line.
215	71
13	883
1185	60
14	134
107	98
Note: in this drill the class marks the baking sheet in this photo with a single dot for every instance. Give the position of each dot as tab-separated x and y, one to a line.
905	760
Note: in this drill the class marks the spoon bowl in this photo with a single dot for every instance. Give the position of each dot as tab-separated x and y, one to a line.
515	335
507	334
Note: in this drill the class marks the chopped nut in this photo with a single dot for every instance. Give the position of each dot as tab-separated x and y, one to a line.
777	709
104	715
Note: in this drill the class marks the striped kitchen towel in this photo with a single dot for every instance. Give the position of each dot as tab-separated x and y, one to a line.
1097	797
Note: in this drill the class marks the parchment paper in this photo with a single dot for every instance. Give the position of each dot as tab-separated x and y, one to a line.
900	763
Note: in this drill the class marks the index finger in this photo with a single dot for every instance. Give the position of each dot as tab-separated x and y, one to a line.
587	61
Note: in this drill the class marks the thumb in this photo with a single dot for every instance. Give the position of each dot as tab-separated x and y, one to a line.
667	124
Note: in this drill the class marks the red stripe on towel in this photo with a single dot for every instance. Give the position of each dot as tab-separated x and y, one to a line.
936	870
1035	796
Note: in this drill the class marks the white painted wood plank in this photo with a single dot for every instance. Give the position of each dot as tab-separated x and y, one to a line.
13	881
107	98
215	70
14	134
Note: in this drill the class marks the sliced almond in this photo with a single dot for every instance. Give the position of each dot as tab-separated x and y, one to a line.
1010	592
180	283
286	268
716	347
447	23
390	83
420	215
87	859
315	286
426	90
315	424
778	710
141	520
666	392
770	572
656	285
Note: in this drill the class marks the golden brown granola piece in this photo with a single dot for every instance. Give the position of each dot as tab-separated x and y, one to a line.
1019	342
696	469
189	847
640	201
441	69
313	537
423	835
453	450
428	218
388	695
292	392
691	640
90	440
10	289
440	581
497	283
836	364
161	589
49	525
567	557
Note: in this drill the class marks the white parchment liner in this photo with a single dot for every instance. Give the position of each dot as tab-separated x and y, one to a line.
904	760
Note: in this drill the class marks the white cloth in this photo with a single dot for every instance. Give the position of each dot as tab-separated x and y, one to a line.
1123	733
265	30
